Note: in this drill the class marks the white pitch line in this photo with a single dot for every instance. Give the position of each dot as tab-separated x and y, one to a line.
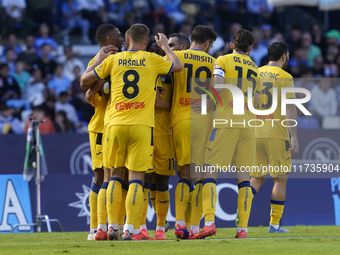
183	240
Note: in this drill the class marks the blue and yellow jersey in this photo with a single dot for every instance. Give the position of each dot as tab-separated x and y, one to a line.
198	71
273	77
238	70
162	117
99	102
133	76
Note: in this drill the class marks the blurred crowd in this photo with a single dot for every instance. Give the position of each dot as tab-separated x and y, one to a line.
38	82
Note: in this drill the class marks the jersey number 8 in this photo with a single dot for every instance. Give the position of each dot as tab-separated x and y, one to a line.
130	84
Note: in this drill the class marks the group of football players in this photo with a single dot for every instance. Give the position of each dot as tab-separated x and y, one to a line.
148	117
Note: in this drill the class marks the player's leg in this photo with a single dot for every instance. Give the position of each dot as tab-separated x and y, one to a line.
216	154
114	200
181	136
147	186
278	150
98	214
93	201
122	211
101	207
164	168
138	162
244	159
200	133
187	216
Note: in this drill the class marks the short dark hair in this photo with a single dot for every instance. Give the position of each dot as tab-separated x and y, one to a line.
148	47
183	39
201	34
242	40
139	32
276	50
103	31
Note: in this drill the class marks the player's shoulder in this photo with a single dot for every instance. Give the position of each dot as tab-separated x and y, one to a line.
91	61
285	74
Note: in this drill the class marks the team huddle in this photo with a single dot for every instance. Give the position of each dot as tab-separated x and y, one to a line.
148	116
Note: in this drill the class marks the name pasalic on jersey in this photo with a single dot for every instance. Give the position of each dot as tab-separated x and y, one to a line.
198	57
129	106
129	62
270	75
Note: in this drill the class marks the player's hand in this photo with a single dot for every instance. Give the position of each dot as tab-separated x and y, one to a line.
294	146
161	40
105	52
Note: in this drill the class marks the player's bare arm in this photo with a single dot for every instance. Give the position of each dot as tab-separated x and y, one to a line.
88	78
162	42
162	104
292	115
91	92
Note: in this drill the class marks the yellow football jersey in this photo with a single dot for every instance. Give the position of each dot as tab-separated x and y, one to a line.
162	117
133	77
273	77
239	70
198	67
97	121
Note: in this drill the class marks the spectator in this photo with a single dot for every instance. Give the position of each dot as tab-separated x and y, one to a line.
186	28
9	59
157	28
59	82
36	90
76	89
323	101
71	12
29	56
62	124
331	53
318	70
42	11
311	50
318	38
46	127
298	57
64	105
49	106
118	12
256	11
332	37
8	123
45	64
13	44
9	88
12	15
295	37
266	35
94	11
69	61
44	39
258	51
21	76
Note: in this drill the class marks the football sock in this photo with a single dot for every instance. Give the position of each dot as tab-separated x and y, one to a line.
196	205
244	201
153	195
101	207
114	199
187	215
122	211
146	203
134	204
209	199
276	211
162	206
93	200
181	199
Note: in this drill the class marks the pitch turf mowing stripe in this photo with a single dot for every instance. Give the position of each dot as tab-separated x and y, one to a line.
183	240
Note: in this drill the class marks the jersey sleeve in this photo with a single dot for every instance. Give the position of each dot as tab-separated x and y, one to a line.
163	65
288	82
219	68
104	69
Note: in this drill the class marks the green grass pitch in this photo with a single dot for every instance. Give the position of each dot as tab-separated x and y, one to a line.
301	240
